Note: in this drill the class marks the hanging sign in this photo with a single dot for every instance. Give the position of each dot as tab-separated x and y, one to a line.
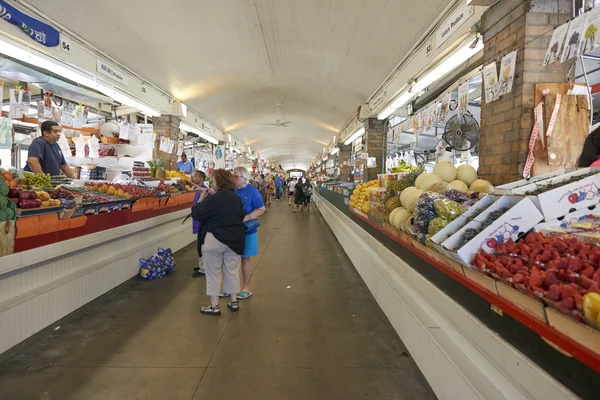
37	30
556	46
16	99
444	108
452	23
591	38
507	73
112	72
490	81
6	134
68	114
463	98
81	114
574	38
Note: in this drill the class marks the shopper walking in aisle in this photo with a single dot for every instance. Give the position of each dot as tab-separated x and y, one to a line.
291	186
262	188
270	190
278	188
307	190
254	207
198	178
221	239
299	195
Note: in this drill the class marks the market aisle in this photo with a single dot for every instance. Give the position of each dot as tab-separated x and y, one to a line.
311	331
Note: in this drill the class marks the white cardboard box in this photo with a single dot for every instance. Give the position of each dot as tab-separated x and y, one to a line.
509	187
565	199
461	221
568	219
520	218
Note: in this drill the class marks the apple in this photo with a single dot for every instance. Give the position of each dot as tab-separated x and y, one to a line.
46	203
38	203
13	193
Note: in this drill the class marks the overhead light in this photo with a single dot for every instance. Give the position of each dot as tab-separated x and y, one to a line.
334	151
204	135
449	64
359	132
25	54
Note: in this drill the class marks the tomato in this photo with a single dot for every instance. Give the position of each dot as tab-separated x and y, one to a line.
13	184
7	176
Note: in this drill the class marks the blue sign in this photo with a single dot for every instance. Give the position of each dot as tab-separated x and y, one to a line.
39	31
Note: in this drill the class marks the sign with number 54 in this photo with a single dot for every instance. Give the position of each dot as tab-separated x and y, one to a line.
66	45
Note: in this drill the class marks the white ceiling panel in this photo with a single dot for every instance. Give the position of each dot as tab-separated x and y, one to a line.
233	60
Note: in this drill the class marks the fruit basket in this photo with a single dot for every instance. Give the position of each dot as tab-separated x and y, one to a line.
109	140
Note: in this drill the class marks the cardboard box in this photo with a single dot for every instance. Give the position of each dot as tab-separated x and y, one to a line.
565	199
520	218
509	187
567	219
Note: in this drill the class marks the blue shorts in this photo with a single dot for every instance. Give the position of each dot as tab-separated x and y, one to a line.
251	248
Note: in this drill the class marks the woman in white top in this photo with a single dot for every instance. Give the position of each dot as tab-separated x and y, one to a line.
291	187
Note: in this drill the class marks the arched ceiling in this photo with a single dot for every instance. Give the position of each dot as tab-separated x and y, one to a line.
233	60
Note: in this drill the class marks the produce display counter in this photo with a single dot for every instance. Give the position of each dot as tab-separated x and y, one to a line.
543	353
58	265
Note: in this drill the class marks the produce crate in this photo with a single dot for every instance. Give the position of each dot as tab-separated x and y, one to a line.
525	302
510	187
520	218
567	198
7	237
580	332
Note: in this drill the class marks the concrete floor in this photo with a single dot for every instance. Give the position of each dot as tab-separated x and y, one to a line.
311	331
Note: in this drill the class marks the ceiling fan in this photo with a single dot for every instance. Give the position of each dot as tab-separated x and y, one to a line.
279	122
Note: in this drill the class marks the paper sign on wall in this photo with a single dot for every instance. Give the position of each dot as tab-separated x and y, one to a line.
574	37
556	46
507	73
68	114
591	36
444	108
490	81
463	98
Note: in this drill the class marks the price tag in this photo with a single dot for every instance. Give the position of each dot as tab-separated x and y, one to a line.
65	45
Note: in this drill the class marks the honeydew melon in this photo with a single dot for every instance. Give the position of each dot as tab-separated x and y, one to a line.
445	170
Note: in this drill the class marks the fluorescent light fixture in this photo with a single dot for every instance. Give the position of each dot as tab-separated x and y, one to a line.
204	135
449	64
358	133
27	55
334	151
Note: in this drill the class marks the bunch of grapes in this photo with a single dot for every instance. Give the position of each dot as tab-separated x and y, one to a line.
37	180
470	233
551	186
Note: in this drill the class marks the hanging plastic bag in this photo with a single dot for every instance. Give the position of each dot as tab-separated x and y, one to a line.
80	147
63	143
94	147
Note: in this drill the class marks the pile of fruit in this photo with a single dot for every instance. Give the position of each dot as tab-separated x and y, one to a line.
60	193
9	179
128	191
559	271
163	187
545	188
36	180
359	198
177	174
402	167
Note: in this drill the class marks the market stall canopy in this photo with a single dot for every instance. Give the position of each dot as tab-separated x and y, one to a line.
234	61
44	80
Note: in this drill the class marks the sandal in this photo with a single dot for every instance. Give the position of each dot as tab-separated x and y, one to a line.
233	306
224	295
210	310
244	294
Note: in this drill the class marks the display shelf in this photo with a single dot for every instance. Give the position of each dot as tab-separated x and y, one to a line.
550	333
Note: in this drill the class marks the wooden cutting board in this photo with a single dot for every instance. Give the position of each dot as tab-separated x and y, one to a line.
564	145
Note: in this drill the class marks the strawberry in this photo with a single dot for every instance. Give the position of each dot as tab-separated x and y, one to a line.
553	293
594	288
578	301
550	279
589	271
567	304
566	291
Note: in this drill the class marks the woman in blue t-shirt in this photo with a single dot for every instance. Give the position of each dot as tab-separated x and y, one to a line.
254	207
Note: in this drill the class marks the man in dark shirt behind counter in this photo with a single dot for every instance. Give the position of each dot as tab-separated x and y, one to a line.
45	155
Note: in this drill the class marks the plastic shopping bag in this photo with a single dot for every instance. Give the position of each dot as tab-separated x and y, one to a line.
169	260
94	147
157	266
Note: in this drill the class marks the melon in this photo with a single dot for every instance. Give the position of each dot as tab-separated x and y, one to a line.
399	217
406	223
405	193
445	170
428	180
482	186
411	200
418	180
459	185
394	212
466	173
440	187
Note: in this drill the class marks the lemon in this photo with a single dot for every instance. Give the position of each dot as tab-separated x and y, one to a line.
591	308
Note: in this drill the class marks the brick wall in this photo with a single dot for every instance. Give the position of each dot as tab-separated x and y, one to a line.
506	124
344	158
166	125
375	142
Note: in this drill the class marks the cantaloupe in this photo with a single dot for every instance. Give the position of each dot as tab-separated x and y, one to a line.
411	200
459	185
399	217
428	180
440	187
466	173
394	212
482	186
418	180
406	223
445	170
405	193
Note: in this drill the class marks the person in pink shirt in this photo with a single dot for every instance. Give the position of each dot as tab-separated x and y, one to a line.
590	155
